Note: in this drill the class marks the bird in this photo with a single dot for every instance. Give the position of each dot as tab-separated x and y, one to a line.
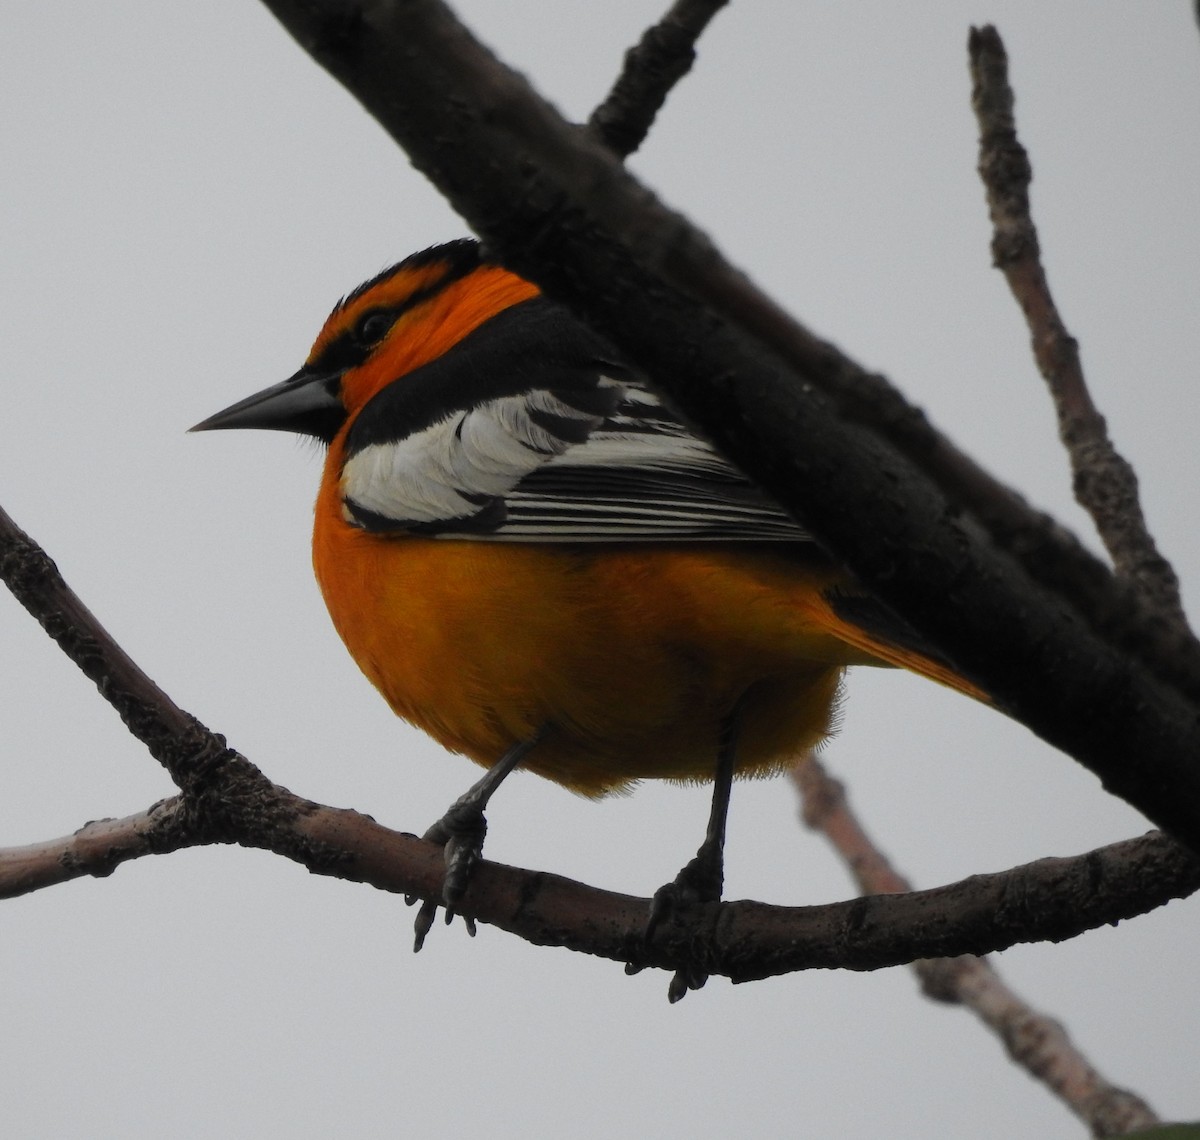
539	562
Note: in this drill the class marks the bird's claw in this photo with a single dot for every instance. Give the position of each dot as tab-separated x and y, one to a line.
684	980
700	881
461	832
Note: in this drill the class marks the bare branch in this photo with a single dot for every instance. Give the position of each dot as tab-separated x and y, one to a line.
562	210
227	800
175	739
1036	1042
97	849
748	940
1040	1045
1052	899
1105	483
662	58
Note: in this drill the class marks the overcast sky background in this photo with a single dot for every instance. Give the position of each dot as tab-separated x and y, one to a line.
185	195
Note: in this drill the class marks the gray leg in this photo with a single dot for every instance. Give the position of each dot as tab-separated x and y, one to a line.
703	879
461	831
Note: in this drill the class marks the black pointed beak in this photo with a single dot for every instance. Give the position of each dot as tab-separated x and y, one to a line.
306	403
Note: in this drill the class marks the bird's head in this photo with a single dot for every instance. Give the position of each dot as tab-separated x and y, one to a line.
401	319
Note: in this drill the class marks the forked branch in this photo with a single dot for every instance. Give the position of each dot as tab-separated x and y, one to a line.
225	799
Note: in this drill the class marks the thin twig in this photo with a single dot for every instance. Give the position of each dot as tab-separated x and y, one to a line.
664	56
1037	1043
1105	483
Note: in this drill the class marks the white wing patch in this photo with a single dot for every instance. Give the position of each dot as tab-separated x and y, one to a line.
535	468
447	471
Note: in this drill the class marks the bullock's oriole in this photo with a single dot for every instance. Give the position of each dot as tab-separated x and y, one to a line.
535	560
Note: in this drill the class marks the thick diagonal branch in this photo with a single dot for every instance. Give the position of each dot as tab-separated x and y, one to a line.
561	209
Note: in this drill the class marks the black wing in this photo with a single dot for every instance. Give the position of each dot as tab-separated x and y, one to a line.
531	430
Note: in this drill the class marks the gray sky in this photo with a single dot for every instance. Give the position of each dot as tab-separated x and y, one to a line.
185	196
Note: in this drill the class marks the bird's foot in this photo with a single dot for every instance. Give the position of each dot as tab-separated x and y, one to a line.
699	882
461	832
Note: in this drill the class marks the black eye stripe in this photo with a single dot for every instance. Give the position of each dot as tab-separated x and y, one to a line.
350	348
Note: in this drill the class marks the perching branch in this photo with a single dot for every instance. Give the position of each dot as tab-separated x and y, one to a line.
561	209
1105	483
1036	1042
225	799
1051	899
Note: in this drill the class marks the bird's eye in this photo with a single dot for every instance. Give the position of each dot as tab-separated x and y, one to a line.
373	327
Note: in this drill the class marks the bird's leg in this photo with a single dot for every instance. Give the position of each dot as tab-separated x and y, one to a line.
461	832
702	879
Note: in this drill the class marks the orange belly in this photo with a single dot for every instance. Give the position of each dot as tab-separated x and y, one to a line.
633	656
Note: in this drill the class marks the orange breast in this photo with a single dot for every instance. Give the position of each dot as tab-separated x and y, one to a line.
633	655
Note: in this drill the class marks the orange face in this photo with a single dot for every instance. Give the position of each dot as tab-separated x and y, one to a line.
406	317
424	331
